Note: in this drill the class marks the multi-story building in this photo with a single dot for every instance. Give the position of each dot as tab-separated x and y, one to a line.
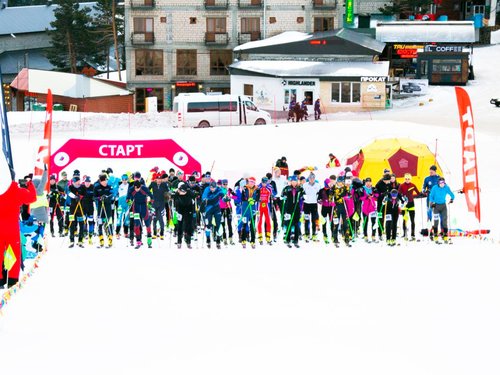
177	46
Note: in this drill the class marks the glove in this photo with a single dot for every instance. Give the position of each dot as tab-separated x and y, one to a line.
129	202
226	199
451	200
251	201
433	205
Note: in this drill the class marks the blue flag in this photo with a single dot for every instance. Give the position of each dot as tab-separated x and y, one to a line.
6	148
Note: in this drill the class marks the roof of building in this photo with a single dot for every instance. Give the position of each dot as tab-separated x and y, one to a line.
12	61
311	69
339	41
65	84
30	19
426	32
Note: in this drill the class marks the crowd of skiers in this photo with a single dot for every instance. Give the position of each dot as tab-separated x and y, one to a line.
279	205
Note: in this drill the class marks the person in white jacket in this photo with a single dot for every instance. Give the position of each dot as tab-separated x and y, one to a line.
311	216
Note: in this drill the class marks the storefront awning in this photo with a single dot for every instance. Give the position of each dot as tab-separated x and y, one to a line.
426	32
310	69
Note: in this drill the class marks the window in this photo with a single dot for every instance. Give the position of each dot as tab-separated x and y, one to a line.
228	106
142	93
148	62
216	25
144	26
250	106
186	62
308	97
290	94
346	92
219	59
447	66
203	107
323	23
250	24
192	20
248	91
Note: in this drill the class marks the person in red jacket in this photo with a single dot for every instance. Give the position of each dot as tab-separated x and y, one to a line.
12	197
410	191
265	195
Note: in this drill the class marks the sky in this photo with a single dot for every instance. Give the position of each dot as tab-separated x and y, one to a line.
417	308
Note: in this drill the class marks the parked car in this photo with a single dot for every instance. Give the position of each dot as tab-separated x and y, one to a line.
410	87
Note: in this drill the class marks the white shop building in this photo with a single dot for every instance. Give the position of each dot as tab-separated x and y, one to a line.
339	67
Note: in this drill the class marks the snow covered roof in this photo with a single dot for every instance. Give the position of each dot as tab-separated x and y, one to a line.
426	32
65	84
283	38
29	19
333	42
311	68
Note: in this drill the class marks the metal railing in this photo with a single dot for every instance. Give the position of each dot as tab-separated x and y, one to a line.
324	4
142	4
216	39
142	38
248	37
250	4
216	4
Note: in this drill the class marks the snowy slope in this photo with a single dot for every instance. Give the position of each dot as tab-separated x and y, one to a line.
413	309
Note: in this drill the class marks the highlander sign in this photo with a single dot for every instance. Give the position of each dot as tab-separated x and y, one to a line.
298	83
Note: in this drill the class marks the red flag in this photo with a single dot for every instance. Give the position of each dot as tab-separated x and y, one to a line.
469	161
43	156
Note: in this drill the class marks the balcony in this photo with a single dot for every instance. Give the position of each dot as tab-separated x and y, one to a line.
248	37
142	4
142	38
324	4
250	4
216	4
216	39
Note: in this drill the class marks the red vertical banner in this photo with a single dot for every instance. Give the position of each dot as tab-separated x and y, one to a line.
469	160
43	156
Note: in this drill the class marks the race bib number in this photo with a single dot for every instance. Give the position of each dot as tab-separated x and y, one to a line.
307	217
373	215
137	216
388	217
263	204
51	210
99	221
244	220
179	216
436	216
71	217
287	217
131	215
238	217
336	221
379	215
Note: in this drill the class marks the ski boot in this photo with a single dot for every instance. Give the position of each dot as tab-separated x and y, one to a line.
110	241
150	242
80	244
327	241
252	244
71	244
296	244
138	245
231	242
101	241
244	244
217	245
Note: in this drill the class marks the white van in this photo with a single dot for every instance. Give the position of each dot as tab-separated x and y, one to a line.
201	110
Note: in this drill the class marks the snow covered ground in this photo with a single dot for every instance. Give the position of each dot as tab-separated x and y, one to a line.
370	309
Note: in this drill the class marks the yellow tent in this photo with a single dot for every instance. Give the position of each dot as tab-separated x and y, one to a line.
399	155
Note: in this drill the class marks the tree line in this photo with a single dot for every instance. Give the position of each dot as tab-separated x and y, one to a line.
82	36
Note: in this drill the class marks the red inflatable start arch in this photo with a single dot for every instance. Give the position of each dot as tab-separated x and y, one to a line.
111	149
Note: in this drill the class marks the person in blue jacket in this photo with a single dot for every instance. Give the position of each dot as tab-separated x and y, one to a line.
211	208
437	199
429	182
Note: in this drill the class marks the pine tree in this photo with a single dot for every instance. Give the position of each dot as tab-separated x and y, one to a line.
109	26
73	44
